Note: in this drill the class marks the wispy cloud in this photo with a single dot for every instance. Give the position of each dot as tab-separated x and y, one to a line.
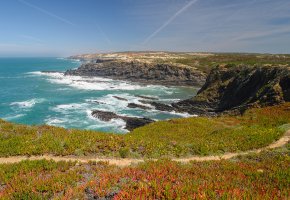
170	20
46	12
32	38
259	34
106	37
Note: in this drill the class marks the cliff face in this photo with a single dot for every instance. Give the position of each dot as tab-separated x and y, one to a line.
149	73
238	88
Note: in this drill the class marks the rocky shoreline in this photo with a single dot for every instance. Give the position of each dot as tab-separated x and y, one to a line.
227	89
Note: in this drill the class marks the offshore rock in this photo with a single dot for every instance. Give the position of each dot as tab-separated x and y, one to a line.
131	122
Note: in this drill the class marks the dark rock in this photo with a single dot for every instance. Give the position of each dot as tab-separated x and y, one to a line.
134	105
120	98
146	97
103	60
235	89
145	101
105	115
47	72
97	102
159	106
149	73
131	122
162	107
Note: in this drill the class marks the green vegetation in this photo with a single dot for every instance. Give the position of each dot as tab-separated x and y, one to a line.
174	138
264	176
202	61
205	63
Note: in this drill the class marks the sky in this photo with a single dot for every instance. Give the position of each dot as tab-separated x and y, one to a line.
69	27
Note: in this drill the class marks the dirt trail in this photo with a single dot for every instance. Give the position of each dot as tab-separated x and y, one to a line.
127	161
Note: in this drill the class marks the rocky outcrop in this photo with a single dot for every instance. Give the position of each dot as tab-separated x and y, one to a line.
131	122
146	97
235	89
135	105
120	98
104	115
134	122
159	106
149	73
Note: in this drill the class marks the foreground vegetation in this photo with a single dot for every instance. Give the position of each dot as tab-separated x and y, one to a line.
174	138
263	176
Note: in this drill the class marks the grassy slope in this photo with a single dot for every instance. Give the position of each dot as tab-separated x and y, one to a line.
205	63
264	176
174	138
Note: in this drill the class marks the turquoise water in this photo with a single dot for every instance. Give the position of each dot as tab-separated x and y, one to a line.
31	97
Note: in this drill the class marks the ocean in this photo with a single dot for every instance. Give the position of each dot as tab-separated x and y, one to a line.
28	96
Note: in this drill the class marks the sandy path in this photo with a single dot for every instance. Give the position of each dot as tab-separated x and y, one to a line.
127	161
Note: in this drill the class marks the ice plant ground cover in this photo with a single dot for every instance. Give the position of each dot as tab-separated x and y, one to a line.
257	176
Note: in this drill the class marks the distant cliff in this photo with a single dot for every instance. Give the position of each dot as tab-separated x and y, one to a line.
149	73
235	89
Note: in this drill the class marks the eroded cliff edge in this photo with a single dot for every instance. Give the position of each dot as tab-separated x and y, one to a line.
235	89
148	73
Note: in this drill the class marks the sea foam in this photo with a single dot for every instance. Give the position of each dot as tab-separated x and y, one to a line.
27	104
14	117
87	83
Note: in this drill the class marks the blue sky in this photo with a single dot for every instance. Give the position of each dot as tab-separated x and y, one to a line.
67	27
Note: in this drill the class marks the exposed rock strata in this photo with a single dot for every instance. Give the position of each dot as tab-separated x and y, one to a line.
149	73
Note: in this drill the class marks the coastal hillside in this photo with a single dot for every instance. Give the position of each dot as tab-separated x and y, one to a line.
145	100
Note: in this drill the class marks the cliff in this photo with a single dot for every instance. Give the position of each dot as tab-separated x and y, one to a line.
149	73
235	89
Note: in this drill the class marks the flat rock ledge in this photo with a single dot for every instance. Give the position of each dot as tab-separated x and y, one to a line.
135	105
131	122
